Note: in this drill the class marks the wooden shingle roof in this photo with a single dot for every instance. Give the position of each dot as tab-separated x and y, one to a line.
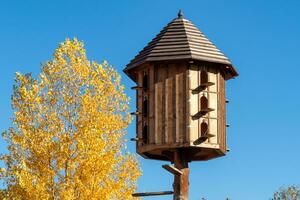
181	40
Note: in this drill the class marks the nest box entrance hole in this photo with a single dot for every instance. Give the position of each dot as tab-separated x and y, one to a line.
145	107
204	103
145	81
204	129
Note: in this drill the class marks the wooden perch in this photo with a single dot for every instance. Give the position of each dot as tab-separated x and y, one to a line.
202	139
137	88
202	87
135	139
227	149
201	113
172	170
152	193
136	113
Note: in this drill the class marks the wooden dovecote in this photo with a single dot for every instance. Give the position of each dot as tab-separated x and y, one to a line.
180	84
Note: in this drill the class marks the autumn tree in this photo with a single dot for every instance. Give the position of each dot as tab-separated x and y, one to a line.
289	193
67	138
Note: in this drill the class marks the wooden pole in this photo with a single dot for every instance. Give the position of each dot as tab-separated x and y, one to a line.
144	194
181	182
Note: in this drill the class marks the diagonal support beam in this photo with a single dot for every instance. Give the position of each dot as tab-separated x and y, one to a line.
172	170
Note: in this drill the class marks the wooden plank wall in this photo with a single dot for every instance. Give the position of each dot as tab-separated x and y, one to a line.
170	98
139	103
179	108
202	93
158	112
193	103
151	126
172	104
222	113
211	93
187	116
169	115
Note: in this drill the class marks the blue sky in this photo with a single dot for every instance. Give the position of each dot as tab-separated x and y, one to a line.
260	37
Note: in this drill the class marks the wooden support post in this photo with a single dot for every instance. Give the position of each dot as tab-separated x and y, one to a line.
181	182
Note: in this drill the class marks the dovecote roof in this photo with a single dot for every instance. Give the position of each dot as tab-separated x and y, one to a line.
182	40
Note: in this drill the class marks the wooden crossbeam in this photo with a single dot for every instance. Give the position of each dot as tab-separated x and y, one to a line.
143	194
172	169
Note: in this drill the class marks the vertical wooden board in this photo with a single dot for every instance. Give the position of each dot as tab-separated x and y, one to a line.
223	102
201	68
151	126
193	78
213	103
139	107
220	134
163	72
187	106
158	113
193	105
172	74
220	121
160	73
221	113
194	123
183	70
213	129
193	102
179	108
169	110
212	77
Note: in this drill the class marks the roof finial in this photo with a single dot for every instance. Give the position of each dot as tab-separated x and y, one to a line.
180	14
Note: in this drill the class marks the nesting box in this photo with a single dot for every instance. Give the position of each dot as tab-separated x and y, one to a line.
180	94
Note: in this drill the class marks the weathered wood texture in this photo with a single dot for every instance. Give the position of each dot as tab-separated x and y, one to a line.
181	182
222	114
207	97
151	105
139	102
170	103
173	102
169	115
158	106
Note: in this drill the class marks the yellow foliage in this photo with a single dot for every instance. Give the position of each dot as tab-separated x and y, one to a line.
67	140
